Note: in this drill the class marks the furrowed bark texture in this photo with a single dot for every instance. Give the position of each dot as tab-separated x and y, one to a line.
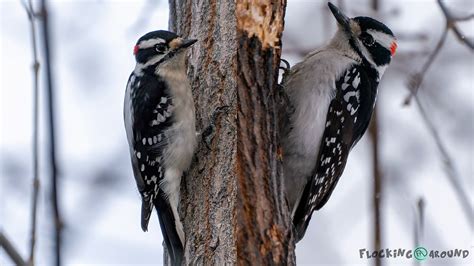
232	203
208	202
263	228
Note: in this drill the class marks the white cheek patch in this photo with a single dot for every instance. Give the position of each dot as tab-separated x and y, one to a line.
150	43
139	67
383	39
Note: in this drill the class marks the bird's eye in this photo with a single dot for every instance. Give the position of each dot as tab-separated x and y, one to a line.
160	48
367	39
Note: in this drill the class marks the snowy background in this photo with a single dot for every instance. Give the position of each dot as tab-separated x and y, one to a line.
92	58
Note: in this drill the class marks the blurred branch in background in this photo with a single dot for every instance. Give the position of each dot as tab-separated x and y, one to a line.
376	172
11	250
417	79
377	188
419	224
36	183
451	171
415	82
51	130
451	24
421	221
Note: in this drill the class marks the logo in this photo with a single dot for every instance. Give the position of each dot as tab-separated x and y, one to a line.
420	253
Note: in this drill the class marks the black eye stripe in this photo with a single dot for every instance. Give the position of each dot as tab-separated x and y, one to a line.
380	54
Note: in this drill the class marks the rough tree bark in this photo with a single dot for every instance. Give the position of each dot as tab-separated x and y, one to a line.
232	202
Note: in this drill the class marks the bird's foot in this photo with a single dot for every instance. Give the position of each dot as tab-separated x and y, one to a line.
286	69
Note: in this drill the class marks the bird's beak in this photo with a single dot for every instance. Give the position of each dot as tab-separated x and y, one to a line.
343	20
186	43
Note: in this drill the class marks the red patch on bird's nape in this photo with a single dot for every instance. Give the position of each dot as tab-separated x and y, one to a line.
135	49
393	48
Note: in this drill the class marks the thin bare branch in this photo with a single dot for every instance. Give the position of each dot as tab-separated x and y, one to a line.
415	81
11	251
464	18
51	130
377	188
449	167
376	172
419	224
451	23
34	206
462	38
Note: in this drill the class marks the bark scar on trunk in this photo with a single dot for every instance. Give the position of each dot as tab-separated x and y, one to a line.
261	19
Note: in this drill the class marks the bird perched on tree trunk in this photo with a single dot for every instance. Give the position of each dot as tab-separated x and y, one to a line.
160	125
331	96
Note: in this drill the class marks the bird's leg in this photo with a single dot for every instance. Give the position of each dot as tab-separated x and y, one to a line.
208	134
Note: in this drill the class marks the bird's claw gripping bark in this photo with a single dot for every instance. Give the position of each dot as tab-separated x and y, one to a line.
282	96
286	69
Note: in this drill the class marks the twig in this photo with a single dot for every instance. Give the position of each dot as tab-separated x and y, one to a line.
419	224
36	183
414	86
377	188
451	171
416	80
464	18
451	23
377	173
421	219
50	110
11	250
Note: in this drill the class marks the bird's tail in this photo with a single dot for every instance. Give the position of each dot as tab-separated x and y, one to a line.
300	221
168	228
147	207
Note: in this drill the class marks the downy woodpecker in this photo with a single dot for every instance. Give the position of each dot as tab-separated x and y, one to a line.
160	125
332	95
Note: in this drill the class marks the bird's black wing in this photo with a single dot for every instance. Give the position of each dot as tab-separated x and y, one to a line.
347	119
151	117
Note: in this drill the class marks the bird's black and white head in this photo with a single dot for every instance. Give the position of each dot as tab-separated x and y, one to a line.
160	48
367	39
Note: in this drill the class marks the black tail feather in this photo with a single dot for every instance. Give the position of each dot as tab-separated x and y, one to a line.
299	222
168	229
147	208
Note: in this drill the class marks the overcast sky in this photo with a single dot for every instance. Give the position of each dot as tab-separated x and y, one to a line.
92	48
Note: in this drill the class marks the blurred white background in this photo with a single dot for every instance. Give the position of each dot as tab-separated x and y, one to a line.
92	58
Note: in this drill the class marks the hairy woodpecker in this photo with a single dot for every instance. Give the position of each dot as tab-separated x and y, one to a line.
160	125
332	95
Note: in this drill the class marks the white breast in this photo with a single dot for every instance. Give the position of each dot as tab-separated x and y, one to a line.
310	88
182	134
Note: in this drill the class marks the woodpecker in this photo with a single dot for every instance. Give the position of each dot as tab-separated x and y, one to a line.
160	125
331	95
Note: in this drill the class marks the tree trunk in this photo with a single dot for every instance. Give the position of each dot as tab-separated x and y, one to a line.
232	203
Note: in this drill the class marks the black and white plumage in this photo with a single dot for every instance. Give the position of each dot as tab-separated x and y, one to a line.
332	94
160	125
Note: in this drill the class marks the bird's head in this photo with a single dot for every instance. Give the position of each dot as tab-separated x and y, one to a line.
160	47
372	41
